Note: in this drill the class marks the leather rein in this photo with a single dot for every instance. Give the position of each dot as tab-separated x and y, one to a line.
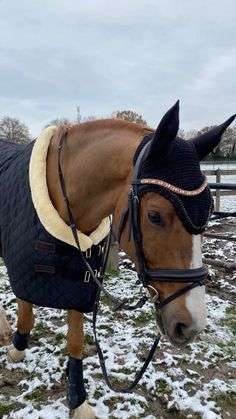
118	304
196	277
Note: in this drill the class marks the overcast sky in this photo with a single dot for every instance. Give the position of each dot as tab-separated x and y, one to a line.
105	55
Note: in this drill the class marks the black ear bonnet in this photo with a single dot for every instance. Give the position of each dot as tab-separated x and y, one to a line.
180	167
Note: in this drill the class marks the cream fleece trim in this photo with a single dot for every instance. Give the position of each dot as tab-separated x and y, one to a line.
47	214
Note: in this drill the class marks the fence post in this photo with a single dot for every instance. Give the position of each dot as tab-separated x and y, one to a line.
113	257
218	179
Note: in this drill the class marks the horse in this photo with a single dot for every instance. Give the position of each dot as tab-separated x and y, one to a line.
151	184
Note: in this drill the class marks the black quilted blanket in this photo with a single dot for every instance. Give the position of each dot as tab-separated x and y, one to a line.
42	269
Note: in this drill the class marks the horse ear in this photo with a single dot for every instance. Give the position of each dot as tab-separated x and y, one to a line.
165	133
205	143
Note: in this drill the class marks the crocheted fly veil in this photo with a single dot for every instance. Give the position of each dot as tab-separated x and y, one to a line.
180	168
171	167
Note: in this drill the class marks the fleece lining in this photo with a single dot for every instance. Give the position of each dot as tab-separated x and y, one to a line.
47	213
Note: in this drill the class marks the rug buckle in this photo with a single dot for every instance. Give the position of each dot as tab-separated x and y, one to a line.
87	276
101	249
88	253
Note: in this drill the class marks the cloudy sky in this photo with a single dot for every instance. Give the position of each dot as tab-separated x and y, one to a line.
105	55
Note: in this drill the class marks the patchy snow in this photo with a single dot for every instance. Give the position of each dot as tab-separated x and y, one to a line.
196	382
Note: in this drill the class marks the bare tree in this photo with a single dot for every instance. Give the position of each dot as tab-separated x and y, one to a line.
59	121
181	133
129	116
191	134
89	118
11	129
78	118
227	145
225	149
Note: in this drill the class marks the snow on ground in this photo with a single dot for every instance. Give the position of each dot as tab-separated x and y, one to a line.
197	382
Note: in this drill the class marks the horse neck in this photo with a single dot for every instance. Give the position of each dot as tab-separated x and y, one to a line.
97	167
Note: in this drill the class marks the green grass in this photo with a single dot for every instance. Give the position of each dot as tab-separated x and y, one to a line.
36	393
9	408
89	339
40	331
105	300
225	400
144	317
162	387
112	274
230	319
228	348
58	339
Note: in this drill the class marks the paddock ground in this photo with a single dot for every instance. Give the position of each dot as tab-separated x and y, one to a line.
197	382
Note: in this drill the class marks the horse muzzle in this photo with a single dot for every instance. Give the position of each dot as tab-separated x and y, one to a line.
183	319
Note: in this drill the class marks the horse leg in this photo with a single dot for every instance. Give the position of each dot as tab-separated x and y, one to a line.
25	323
5	329
76	393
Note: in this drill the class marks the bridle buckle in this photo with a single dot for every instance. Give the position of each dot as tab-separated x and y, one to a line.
156	297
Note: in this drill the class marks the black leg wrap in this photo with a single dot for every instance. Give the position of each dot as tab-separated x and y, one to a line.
20	341
76	393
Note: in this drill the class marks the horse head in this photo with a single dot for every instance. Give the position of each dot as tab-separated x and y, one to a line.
168	211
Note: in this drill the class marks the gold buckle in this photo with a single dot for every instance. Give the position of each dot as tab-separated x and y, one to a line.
87	276
88	253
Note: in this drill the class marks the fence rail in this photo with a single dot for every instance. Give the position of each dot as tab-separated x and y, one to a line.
218	190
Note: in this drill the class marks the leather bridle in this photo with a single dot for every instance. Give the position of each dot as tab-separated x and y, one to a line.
194	277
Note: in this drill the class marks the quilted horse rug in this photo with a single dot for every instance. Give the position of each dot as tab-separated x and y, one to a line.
38	248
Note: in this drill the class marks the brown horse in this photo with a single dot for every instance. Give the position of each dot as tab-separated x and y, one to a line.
97	161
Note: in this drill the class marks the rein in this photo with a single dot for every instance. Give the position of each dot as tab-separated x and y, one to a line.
118	304
196	277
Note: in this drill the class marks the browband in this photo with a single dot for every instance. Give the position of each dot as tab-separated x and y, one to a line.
173	188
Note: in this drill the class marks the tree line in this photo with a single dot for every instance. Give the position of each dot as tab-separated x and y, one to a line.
14	130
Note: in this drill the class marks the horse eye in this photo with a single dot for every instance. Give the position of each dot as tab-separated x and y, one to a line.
154	217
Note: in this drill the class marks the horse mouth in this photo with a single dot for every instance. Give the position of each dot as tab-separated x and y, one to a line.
177	340
180	339
179	344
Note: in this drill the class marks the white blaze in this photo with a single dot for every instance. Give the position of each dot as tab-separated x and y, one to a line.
195	300
196	261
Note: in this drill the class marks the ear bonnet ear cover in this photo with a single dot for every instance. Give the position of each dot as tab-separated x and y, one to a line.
181	168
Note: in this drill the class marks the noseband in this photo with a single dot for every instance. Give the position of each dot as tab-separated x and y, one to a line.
194	277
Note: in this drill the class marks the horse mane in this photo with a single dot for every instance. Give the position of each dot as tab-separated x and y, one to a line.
101	124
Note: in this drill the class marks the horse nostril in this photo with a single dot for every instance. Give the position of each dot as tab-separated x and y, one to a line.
183	332
178	331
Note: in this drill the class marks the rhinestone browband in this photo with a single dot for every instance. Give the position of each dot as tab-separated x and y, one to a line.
173	188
